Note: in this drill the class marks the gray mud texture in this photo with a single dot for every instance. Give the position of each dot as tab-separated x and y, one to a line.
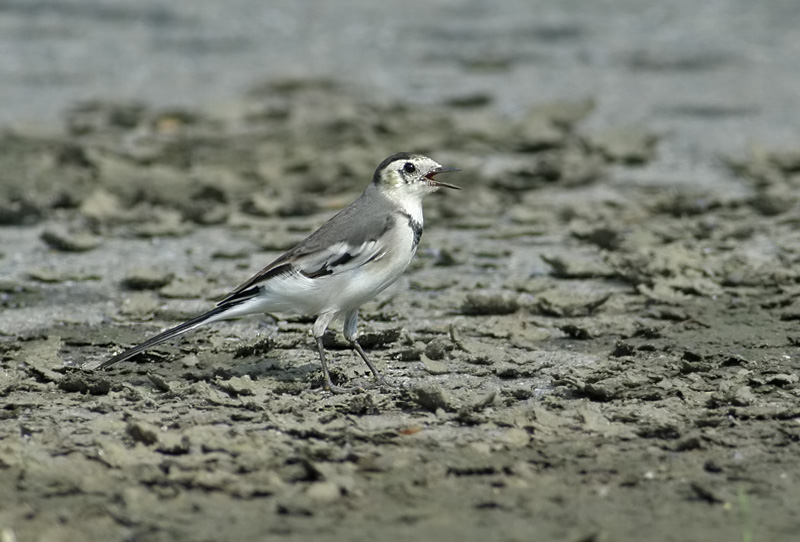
576	353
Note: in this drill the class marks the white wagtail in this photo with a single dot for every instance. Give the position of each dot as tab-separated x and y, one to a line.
346	262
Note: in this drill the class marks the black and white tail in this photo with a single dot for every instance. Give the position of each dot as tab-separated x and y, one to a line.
211	316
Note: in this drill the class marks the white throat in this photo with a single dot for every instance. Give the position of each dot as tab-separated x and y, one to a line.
407	202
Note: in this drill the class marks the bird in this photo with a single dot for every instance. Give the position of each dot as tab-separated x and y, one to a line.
350	259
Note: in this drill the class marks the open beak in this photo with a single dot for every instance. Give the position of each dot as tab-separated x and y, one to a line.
438	170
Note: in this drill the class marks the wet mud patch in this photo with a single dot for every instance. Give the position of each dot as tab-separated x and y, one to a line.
573	353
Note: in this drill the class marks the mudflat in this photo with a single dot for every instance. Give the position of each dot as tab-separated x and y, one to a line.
575	353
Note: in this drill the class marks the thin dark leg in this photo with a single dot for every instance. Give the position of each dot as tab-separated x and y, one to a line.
329	385
363	355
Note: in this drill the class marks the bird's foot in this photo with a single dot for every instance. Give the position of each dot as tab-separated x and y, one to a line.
333	388
376	383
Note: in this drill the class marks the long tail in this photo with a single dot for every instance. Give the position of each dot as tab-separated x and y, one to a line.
167	335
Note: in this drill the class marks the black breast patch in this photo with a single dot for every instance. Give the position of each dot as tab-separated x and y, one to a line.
416	227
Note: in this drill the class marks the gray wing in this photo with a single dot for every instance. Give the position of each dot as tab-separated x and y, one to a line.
347	241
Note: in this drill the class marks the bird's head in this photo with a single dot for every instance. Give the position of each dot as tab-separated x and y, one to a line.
410	176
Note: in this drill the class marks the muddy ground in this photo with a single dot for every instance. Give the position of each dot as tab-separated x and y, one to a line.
577	353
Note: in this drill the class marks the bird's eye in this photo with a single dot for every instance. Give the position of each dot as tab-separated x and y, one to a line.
409	168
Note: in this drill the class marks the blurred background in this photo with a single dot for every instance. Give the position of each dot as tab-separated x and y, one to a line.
721	74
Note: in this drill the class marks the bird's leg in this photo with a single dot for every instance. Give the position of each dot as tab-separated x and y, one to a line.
329	385
350	332
366	359
319	330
